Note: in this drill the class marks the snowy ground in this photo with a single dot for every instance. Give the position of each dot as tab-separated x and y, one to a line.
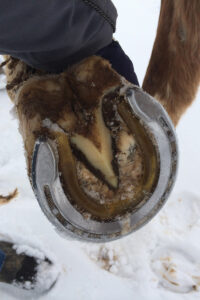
160	261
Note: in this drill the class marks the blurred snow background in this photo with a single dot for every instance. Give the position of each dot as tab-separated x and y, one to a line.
160	261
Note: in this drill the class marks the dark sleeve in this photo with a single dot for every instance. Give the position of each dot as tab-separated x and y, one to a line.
48	33
119	61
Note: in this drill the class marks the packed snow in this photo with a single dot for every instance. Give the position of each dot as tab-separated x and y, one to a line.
161	260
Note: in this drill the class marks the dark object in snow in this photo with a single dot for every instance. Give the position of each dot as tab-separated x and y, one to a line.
30	271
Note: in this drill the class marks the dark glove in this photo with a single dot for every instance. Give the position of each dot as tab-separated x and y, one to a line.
119	61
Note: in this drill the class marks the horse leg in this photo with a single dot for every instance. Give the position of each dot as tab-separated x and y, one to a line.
173	74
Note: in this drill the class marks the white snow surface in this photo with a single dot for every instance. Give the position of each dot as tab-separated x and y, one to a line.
2	77
161	261
2	81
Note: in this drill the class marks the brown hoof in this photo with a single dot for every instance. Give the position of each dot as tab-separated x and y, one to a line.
106	158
